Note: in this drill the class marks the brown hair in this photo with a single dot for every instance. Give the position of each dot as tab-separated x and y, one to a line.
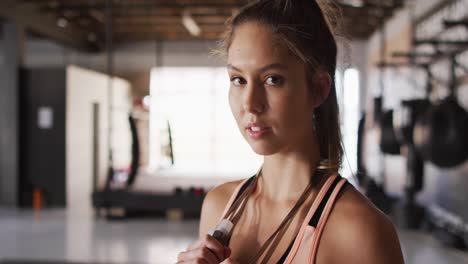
305	27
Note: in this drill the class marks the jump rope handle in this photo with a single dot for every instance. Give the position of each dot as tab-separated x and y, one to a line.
222	231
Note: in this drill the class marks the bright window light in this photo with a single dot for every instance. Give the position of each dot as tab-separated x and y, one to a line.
350	117
205	137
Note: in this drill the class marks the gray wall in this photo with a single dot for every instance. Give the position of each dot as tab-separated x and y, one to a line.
127	58
133	61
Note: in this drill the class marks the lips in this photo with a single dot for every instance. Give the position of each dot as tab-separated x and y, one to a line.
256	126
257	130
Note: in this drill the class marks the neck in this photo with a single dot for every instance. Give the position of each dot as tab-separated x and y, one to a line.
285	175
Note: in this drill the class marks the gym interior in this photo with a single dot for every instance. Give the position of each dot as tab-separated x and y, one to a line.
107	153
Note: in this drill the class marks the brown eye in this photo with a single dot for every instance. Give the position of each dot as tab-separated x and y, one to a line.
274	80
237	81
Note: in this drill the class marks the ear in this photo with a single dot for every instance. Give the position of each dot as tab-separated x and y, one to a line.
321	85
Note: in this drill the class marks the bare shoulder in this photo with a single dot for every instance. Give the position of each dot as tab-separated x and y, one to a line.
358	232
214	203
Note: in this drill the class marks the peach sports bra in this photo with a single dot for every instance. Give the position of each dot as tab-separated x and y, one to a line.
303	249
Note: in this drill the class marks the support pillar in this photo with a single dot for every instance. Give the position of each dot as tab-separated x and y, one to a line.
13	39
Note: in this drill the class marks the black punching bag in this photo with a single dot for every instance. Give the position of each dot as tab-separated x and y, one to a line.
441	135
388	140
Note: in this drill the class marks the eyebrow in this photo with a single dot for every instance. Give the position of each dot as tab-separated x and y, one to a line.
264	68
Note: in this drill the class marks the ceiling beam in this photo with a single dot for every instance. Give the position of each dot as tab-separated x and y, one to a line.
195	12
148	18
435	9
149	12
143	20
168	28
170	36
149	5
69	35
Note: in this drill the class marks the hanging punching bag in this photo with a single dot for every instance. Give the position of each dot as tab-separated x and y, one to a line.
441	135
404	118
388	141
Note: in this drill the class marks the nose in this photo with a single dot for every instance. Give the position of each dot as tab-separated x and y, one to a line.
254	99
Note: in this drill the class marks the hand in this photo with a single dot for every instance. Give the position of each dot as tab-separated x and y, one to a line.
206	250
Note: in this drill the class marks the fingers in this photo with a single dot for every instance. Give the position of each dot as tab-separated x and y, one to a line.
227	252
205	250
197	261
199	255
199	243
215	246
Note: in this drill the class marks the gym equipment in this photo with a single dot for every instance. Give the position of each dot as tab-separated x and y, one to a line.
373	188
440	42
407	212
377	108
361	169
453	23
388	140
132	200
440	135
405	118
418	127
410	110
135	151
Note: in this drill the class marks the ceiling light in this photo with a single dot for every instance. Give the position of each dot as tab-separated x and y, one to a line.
62	22
190	24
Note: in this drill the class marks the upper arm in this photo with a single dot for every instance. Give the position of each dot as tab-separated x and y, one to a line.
213	206
362	234
376	242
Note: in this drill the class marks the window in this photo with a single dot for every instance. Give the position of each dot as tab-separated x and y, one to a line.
206	140
350	115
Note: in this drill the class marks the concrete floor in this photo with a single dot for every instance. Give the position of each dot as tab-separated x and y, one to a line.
60	235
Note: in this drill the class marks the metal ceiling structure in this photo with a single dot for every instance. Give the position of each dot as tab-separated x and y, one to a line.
82	23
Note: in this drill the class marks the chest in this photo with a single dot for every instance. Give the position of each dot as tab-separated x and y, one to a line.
256	225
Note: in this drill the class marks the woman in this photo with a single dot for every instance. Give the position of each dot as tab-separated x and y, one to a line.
281	63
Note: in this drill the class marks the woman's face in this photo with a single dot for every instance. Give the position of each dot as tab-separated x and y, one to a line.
269	95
